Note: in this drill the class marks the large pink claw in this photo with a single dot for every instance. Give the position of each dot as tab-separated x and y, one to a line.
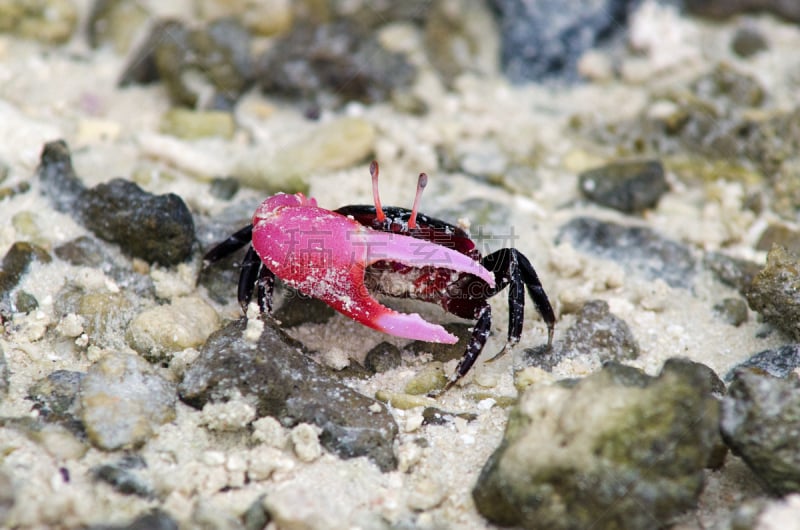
324	255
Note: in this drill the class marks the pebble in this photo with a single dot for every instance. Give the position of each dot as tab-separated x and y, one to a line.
305	442
284	383
777	362
354	65
124	401
543	39
217	53
193	124
637	249
782	235
747	41
158	332
630	187
775	291
382	357
617	449
760	421
732	310
597	335
429	379
15	264
155	228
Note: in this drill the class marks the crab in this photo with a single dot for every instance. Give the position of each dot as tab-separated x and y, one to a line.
344	255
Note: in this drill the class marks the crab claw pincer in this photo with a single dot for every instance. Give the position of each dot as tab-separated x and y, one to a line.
324	255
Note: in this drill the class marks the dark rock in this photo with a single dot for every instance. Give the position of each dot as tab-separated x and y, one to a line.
156	519
733	272
782	235
122	477
638	249
224	187
732	310
56	396
760	421
384	356
445	352
629	187
435	416
547	38
155	228
25	302
597	335
298	308
14	266
775	292
335	62
218	53
603	454
720	9
292	388
748	41
256	517
779	362
59	181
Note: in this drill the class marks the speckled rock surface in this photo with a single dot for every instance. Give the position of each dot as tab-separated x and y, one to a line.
778	362
283	383
595	455
760	421
775	291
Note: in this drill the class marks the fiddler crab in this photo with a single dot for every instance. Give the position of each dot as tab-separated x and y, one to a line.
344	255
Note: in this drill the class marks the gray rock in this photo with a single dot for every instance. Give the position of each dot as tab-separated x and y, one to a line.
218	53
638	249
629	187
123	478
546	38
56	399
733	272
337	62
775	292
384	356
298	308
618	449
779	234
289	386
597	335
124	401
732	310
748	41
779	362
760	422
155	228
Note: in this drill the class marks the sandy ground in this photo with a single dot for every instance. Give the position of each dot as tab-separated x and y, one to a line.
70	92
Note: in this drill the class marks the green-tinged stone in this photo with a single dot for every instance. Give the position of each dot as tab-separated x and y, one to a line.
48	21
618	449
331	146
775	291
403	401
430	378
193	124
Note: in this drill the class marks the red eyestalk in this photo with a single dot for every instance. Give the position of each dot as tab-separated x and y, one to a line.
421	183
373	170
